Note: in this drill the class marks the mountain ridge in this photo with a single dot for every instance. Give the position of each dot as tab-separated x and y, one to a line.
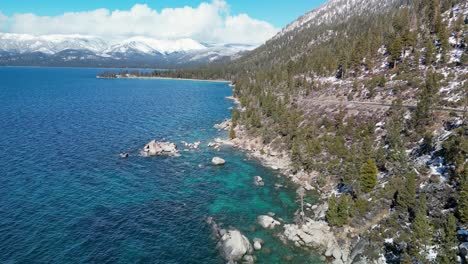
26	49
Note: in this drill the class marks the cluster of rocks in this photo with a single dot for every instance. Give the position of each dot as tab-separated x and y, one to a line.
194	145
156	148
318	235
214	145
225	125
258	181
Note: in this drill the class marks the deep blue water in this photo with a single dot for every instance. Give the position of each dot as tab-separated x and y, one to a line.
67	197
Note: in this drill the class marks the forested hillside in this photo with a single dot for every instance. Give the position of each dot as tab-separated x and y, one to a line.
369	106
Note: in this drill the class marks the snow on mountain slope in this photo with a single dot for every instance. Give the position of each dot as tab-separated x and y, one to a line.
51	44
149	45
337	11
24	49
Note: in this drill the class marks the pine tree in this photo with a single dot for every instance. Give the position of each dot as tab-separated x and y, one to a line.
449	241
232	133
444	41
332	213
421	227
296	154
395	48
427	100
407	197
368	175
430	52
343	211
463	201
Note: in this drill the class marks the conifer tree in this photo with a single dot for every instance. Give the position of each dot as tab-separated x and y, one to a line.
343	211
395	49
407	198
296	154
429	53
232	133
449	242
463	201
421	226
427	100
332	213
368	175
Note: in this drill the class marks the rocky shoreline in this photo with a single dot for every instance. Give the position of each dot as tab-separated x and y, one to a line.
311	232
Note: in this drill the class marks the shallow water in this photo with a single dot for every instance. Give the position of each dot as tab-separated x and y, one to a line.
67	197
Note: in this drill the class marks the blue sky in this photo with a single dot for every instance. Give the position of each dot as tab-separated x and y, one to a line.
278	13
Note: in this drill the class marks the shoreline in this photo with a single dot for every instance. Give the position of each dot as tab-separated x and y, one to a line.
314	233
165	78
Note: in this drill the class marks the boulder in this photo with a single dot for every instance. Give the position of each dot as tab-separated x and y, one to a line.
234	246
257	245
218	161
248	259
267	221
259	181
155	148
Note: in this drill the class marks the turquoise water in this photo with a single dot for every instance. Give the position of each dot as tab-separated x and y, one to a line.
67	197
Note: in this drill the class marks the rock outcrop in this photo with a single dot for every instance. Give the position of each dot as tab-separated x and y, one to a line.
267	222
225	125
218	161
156	148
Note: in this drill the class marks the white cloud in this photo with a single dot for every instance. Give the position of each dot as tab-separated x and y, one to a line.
208	22
3	20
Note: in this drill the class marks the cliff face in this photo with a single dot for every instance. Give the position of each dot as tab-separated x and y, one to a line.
370	109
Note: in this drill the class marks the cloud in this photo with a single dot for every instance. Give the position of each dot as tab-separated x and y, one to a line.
3	20
208	22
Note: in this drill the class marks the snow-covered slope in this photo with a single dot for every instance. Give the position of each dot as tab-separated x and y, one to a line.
49	44
149	45
336	11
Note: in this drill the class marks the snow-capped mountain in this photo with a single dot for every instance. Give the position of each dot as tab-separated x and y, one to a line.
80	50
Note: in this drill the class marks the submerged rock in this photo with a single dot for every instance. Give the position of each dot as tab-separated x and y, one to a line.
218	161
234	246
258	181
193	145
267	221
124	155
257	243
248	259
155	148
